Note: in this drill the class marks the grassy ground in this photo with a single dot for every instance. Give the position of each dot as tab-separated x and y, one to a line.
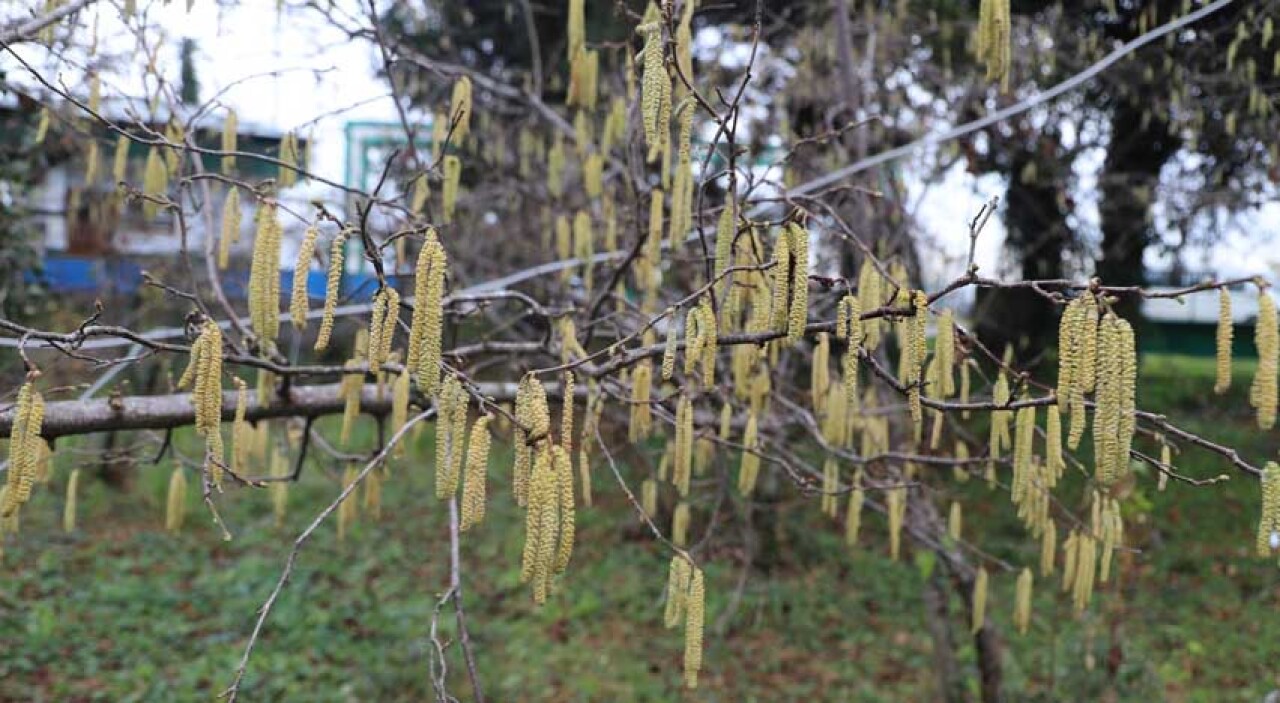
121	611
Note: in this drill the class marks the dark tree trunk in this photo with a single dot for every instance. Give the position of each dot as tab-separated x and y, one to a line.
1130	174
1035	218
937	617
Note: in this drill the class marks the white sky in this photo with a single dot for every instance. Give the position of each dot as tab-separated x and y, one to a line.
318	70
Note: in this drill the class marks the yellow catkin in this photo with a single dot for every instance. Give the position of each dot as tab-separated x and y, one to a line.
532	424
349	507
853	516
400	406
279	487
683	457
830	484
798	314
954	521
694	614
1223	368
264	275
555	167
1268	540
23	449
538	500
726	232
896	505
1048	548
641	424
92	157
678	575
373	493
946	354
680	525
565	511
352	386
669	349
230	226
449	191
979	607
385	313
451	406
749	470
69	508
1262	394
576	34
298	307
993	40
1023	435
655	86
999	436
120	160
426	329
230	129
42	127
176	504
473	487
1085	576
820	374
155	183
288	174
333	287
460	109
1116	386
649	497
1022	602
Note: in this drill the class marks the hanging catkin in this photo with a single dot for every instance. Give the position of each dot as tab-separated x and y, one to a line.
1022	602
655	86
176	504
473	486
1116	384
69	508
264	275
460	110
683	457
750	468
298	307
641	421
280	486
230	129
1269	524
979	607
24	439
680	524
1262	394
853	517
678	576
993	42
385	313
1048	547
694	615
155	183
333	286
798	315
954	521
1223	370
289	160
895	499
726	231
451	412
426	329
449	191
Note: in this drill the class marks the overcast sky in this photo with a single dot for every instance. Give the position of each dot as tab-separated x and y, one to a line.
282	70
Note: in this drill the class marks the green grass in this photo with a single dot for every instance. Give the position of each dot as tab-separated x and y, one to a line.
121	611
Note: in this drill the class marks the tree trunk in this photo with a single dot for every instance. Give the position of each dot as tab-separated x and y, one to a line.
1035	219
937	617
1135	155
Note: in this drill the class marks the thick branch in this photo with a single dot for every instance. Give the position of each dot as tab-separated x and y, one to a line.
159	412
